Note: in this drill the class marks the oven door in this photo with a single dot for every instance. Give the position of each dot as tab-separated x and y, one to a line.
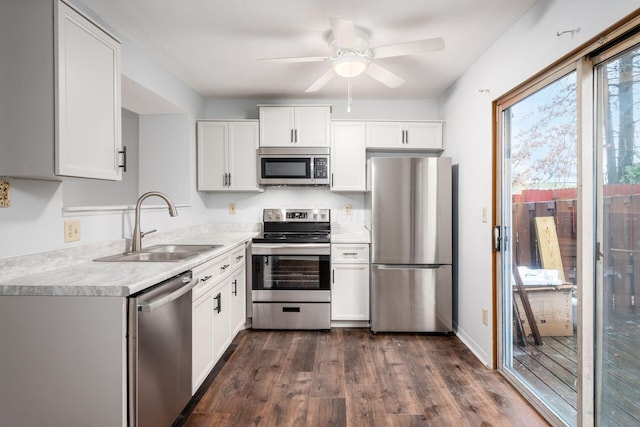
293	272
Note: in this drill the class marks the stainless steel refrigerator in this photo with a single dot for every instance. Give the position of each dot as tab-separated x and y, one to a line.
411	220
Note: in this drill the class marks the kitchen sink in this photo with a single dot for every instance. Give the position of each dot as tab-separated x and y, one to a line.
161	253
181	248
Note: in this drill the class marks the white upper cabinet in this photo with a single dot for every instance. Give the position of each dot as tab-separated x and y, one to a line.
405	135
227	155
292	126
348	156
61	87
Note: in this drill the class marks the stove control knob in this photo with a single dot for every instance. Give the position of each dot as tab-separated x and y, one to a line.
269	215
324	215
315	216
278	215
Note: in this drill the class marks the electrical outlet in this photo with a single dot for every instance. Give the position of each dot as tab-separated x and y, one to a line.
232	208
485	316
4	194
347	209
484	215
71	231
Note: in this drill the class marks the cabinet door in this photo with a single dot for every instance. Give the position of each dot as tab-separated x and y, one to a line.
350	292
348	156
212	138
276	126
424	136
385	135
312	126
202	334
242	159
238	300
221	319
88	131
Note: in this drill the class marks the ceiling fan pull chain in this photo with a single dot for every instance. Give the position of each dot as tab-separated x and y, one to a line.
349	95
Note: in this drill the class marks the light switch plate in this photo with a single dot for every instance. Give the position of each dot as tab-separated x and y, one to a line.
71	231
5	201
232	208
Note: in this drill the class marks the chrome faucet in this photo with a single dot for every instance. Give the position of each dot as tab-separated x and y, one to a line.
136	239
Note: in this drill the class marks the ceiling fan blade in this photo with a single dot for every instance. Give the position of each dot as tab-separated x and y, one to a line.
408	48
323	80
344	33
296	59
384	76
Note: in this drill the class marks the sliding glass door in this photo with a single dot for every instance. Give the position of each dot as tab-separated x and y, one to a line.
618	323
539	234
568	237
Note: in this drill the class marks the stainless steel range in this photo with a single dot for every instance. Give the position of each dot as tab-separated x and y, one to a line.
291	276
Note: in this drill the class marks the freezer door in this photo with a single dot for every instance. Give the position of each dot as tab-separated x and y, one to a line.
411	299
411	210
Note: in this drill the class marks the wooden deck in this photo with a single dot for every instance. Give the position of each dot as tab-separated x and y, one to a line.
551	370
350	377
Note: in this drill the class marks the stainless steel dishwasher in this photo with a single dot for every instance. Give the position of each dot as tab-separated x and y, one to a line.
159	352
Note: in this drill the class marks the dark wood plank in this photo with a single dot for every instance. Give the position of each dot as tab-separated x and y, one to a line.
328	371
289	405
327	412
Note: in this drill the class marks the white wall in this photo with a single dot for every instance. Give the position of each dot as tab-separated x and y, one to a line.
525	49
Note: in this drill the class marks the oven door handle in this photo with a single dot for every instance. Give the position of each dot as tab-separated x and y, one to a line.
291	249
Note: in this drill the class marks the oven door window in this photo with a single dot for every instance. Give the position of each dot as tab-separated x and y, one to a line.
291	272
286	168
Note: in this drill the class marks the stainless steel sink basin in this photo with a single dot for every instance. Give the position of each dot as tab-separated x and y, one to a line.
161	253
181	248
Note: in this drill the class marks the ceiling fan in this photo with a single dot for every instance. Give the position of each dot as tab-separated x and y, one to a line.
352	55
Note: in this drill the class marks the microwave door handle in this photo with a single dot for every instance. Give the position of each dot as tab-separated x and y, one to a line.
312	169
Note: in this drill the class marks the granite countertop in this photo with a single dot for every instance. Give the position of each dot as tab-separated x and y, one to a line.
350	234
69	276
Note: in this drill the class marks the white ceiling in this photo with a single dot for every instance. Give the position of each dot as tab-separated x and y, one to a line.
213	45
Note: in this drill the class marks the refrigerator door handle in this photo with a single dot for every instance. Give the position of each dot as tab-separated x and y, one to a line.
409	266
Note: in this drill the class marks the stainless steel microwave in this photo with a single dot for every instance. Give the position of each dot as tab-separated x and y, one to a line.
294	166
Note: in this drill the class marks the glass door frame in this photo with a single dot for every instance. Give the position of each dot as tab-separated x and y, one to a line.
502	224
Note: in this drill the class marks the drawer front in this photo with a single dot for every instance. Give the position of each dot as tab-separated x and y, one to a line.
209	273
238	256
350	253
292	315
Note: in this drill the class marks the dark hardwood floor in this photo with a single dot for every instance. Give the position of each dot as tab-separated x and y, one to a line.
350	377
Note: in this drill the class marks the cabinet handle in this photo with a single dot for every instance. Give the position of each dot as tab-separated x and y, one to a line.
124	159
295	133
349	253
205	278
224	267
218	307
229	183
407	136
239	257
332	179
292	136
235	287
333	276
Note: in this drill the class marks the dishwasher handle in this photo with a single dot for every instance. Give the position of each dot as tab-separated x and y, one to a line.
166	298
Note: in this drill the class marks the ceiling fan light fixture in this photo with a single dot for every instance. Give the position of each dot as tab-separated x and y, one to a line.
350	66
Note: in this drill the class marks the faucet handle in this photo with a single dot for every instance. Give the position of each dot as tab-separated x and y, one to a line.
144	233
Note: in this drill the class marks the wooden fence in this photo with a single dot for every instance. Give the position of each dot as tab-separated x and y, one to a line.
621	248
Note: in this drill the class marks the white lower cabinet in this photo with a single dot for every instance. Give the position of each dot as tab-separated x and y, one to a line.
202	359
238	286
219	309
221	318
350	282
